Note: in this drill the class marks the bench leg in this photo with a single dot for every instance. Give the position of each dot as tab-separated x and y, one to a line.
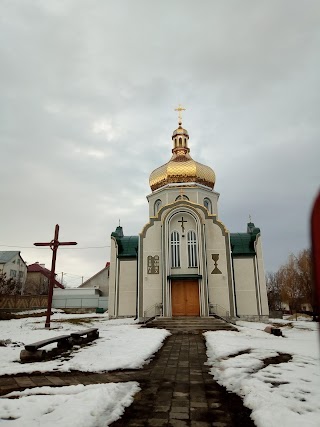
32	356
93	335
67	343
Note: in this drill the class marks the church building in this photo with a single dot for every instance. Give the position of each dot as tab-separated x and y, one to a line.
185	261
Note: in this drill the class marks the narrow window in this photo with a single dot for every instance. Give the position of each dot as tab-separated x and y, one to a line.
175	249
207	204
157	206
180	142
192	249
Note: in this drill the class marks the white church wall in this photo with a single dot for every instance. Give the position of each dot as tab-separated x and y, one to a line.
262	278
218	286
152	283
127	287
112	277
245	285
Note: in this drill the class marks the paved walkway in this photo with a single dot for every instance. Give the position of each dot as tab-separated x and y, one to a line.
176	389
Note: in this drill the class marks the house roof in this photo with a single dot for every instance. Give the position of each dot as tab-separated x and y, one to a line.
6	256
95	275
37	268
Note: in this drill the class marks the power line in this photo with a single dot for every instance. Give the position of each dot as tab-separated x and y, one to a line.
32	247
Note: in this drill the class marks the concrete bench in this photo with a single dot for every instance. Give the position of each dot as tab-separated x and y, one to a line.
32	351
85	335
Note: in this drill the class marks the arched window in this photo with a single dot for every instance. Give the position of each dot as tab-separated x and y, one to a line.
180	142
157	206
183	197
207	204
175	249
192	249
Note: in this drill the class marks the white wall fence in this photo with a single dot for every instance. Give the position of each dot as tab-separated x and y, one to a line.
80	301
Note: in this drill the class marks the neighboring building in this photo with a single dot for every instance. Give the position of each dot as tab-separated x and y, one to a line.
12	266
87	299
38	278
99	281
185	262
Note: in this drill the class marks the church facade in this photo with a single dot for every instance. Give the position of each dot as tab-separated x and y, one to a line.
185	262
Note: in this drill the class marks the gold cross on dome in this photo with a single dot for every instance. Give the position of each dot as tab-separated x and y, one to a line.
179	109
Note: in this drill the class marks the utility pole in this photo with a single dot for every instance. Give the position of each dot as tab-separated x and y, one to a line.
54	244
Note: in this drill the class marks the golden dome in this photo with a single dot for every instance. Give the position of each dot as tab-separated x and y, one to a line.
181	168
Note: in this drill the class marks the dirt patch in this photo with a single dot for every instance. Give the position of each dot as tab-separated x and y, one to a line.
275	360
239	353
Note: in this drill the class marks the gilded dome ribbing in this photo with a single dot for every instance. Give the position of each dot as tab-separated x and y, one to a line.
181	168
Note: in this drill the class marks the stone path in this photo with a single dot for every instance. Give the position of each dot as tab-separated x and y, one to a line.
176	388
178	391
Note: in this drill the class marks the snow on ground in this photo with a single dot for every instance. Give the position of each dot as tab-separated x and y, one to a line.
121	344
82	406
286	394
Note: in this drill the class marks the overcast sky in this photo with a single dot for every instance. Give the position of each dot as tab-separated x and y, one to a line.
88	91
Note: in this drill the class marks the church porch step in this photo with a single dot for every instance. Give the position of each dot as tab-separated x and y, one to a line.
190	324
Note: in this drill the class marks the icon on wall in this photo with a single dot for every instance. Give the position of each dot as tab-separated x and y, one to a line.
216	270
153	264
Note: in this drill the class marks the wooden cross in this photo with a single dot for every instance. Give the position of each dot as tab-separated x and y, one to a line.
54	244
179	109
182	223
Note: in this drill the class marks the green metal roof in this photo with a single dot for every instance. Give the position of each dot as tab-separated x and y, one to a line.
127	245
242	243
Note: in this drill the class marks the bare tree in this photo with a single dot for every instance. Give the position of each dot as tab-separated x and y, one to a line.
291	289
304	272
274	291
292	284
9	286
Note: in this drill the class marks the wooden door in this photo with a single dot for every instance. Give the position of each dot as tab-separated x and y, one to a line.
185	298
